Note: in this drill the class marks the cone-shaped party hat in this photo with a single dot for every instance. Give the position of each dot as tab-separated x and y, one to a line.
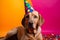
28	7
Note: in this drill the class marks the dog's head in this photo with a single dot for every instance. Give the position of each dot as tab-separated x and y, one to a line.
32	21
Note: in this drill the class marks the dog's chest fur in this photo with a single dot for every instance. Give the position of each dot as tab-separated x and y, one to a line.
30	37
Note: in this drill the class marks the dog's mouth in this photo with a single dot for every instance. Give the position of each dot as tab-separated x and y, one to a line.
30	30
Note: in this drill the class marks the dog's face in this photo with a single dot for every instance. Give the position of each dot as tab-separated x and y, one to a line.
32	21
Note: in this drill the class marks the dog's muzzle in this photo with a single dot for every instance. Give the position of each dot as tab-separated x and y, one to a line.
30	26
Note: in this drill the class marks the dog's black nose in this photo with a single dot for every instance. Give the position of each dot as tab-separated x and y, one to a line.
30	25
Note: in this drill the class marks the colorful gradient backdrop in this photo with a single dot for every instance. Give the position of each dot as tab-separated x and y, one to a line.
11	14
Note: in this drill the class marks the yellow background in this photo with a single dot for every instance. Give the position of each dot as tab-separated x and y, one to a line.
11	14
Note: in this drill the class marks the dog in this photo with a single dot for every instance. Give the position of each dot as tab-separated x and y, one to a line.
31	29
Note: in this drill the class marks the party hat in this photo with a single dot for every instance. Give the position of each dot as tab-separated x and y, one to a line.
28	7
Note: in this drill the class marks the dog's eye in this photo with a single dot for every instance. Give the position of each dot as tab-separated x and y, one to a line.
27	16
35	16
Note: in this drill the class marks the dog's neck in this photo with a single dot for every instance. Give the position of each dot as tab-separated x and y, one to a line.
38	31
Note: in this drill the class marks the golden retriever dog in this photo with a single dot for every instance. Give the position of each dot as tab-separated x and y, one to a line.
31	29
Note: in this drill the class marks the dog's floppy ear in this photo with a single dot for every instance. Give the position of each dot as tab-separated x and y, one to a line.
23	21
41	20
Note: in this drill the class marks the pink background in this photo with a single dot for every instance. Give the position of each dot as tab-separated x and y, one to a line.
50	10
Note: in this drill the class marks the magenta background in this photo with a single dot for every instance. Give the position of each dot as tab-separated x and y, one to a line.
50	10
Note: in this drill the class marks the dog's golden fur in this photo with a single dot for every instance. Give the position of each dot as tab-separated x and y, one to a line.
22	33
